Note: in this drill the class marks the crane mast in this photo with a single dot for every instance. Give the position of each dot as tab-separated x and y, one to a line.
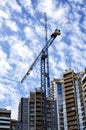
45	81
43	55
47	61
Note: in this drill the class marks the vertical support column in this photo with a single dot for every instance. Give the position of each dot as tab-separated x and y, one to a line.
43	91
47	59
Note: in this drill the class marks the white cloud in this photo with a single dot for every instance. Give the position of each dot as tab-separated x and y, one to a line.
29	33
21	57
26	3
14	110
76	1
2	97
27	6
4	64
39	30
46	6
21	50
11	99
12	25
13	4
56	13
2	90
4	14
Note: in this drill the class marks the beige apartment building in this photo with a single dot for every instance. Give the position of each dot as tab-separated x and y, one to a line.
84	93
74	100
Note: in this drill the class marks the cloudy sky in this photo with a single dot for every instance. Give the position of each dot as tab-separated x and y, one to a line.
22	36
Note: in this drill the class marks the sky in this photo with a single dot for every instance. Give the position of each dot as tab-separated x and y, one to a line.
22	36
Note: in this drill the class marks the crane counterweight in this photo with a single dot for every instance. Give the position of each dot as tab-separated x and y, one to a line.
56	32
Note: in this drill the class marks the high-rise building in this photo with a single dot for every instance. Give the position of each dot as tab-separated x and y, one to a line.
74	100
54	125
72	117
84	94
30	112
59	121
22	123
5	119
48	114
35	111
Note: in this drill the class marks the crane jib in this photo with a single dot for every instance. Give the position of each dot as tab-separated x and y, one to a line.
49	42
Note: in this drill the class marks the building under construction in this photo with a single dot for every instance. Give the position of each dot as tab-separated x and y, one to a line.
30	112
35	111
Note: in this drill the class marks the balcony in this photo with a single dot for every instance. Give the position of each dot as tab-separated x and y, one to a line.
38	122
38	104
84	85
84	89
38	118
5	118
70	105
69	96
73	118
68	84
71	114
72	123
69	92
72	127
68	76
71	109
38	109
71	88
4	122
38	127
67	80
70	101
38	113
4	127
38	100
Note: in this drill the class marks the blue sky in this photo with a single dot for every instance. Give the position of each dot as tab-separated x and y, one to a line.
22	36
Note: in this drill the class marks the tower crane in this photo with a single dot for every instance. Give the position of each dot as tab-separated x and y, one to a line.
43	55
